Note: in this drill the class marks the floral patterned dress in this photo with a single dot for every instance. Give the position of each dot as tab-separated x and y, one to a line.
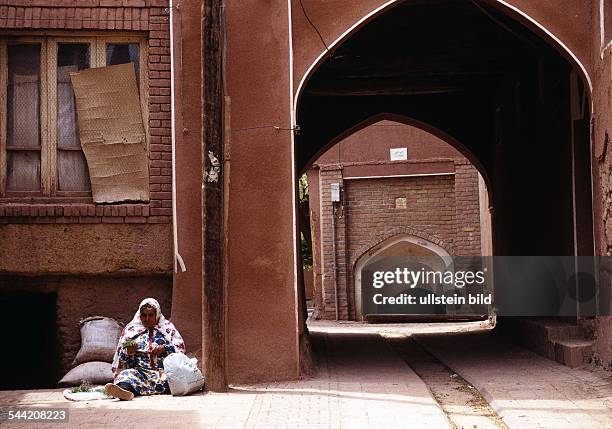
142	370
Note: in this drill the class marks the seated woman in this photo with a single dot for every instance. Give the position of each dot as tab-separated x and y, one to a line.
138	365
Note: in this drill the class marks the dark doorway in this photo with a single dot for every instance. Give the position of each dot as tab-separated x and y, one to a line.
31	359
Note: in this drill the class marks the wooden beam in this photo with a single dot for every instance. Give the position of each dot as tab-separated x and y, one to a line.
213	294
337	92
402	85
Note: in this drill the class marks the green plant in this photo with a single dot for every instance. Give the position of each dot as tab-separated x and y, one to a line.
128	343
305	233
303	188
83	387
306	252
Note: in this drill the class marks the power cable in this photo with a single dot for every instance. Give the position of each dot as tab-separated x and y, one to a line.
313	26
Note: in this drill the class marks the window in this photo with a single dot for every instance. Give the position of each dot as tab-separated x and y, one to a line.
40	150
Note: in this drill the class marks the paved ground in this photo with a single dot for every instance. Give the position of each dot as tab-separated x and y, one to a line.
463	404
525	389
362	382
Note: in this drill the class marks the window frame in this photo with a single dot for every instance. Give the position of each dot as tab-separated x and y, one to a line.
48	105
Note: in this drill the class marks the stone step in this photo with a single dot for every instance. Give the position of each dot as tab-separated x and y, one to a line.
563	332
557	339
573	352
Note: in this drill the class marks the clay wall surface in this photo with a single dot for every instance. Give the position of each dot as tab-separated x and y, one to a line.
85	249
262	288
602	171
372	144
187	285
570	22
601	346
259	219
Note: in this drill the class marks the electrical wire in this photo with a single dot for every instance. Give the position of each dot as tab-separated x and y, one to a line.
313	26
504	26
276	127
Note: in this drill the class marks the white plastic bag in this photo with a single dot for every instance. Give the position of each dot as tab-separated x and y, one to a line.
184	376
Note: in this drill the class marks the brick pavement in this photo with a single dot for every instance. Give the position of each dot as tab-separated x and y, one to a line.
361	383
525	389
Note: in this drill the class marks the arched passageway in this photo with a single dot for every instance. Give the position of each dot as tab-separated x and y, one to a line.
382	258
477	72
406	196
503	96
472	73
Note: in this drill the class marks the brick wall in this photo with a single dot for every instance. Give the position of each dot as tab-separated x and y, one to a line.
124	254
442	209
325	258
148	17
372	215
467	240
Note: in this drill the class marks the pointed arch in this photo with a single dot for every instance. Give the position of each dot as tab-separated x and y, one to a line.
392	239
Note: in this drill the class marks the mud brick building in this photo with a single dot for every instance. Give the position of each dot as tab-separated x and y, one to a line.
261	89
429	198
64	257
521	85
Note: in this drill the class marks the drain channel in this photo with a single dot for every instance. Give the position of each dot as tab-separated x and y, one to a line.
464	406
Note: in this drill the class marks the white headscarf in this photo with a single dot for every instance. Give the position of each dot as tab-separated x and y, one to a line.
135	328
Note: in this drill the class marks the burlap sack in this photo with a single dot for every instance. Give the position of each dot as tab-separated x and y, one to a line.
99	338
89	372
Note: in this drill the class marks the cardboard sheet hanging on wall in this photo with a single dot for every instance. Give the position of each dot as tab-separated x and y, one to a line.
112	133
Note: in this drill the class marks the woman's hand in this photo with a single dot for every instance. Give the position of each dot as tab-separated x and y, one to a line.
159	349
131	350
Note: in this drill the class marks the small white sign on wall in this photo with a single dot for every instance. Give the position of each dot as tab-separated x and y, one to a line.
335	192
399	154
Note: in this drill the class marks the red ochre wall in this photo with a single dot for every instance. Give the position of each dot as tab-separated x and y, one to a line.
262	331
262	293
602	178
570	21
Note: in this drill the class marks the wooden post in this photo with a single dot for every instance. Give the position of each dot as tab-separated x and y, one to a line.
213	294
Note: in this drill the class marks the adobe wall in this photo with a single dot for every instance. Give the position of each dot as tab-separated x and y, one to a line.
602	177
84	249
372	144
262	324
571	22
260	221
187	286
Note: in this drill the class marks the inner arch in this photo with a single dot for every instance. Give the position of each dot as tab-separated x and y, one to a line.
486	80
